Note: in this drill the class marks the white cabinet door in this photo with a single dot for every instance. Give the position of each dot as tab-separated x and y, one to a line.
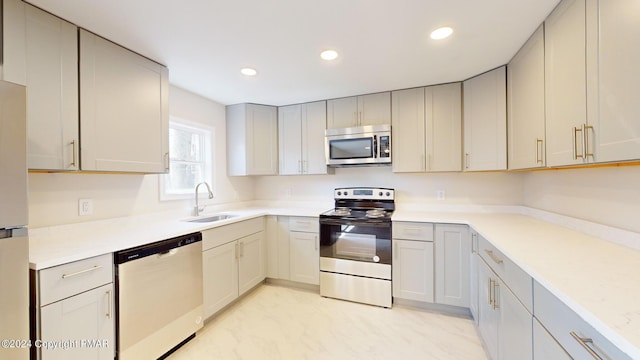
220	277
525	86
314	123
342	112
616	128
52	101
413	270
545	347
124	109
251	262
473	277
252	140
452	250
84	317
374	109
408	124
485	121
290	139
515	328
13	66
443	127
565	83
304	257
488	314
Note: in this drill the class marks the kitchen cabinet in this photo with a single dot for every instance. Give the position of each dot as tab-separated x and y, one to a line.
124	109
304	250
371	109
301	138
252	140
579	339
74	303
473	277
505	305
52	101
485	121
545	346
413	261
612	81
233	262
429	122
566	84
526	120
13	67
452	251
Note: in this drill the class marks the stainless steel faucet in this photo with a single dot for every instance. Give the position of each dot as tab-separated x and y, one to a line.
197	208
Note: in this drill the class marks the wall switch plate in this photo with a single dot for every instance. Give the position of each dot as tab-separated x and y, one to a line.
440	194
85	207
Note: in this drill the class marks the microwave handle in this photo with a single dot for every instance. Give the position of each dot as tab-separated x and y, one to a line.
375	146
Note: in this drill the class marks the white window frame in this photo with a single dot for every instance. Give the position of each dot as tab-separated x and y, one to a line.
208	133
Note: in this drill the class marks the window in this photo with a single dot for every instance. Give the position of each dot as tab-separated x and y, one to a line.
189	160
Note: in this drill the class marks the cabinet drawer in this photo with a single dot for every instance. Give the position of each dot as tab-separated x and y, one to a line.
512	275
227	233
304	224
66	280
561	322
413	231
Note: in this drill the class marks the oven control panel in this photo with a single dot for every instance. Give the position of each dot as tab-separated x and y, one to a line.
364	193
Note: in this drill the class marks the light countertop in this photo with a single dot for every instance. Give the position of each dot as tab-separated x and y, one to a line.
598	279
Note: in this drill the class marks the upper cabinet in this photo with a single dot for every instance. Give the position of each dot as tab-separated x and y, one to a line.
485	121
124	109
301	138
429	123
13	64
252	140
52	82
371	109
612	81
525	87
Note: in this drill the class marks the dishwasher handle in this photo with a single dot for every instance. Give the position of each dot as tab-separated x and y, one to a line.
161	248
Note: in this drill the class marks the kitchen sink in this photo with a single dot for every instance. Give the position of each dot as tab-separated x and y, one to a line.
213	218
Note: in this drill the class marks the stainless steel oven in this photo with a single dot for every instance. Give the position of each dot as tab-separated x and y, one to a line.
355	246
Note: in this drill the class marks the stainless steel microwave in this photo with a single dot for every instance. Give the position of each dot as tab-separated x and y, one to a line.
363	145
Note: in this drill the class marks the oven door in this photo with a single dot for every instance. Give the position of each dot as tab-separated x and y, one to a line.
359	240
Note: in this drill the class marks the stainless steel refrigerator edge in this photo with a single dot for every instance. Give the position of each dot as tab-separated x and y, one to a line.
14	243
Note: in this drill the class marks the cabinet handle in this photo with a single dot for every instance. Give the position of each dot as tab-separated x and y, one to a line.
586	139
584	342
315	241
490	292
96	267
493	256
474	246
496	289
576	156
299	166
73	153
466	160
414	230
109	305
305	166
166	162
539	148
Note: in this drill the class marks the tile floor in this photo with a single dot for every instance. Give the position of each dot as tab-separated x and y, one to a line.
276	322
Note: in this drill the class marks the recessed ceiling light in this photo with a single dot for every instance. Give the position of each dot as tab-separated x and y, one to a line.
329	55
441	33
249	71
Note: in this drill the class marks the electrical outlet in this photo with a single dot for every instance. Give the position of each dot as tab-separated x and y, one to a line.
288	192
440	194
85	207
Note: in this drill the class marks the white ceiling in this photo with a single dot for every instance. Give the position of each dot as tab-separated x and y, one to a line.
383	44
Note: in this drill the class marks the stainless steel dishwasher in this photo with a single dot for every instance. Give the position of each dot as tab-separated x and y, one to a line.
159	297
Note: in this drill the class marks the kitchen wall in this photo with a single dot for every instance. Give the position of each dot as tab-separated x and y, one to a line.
487	188
605	195
53	198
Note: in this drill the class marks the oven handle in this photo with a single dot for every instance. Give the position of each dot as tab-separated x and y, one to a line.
386	224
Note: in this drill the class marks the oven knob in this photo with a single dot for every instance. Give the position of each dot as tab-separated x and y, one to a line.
339	193
380	193
388	193
376	258
346	193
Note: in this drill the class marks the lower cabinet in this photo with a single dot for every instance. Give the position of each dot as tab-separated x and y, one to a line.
545	346
233	262
294	249
503	322
452	249
474	257
74	311
412	270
